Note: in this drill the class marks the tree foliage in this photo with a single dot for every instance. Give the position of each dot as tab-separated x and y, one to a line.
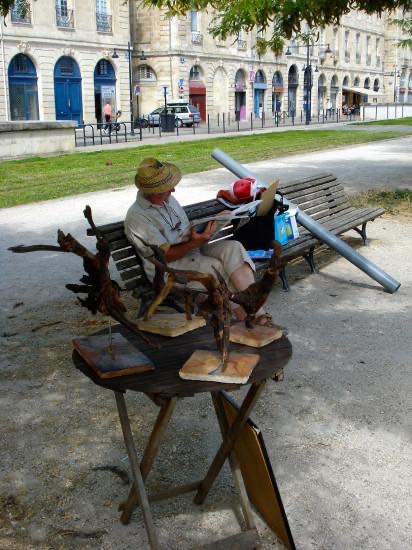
282	18
406	26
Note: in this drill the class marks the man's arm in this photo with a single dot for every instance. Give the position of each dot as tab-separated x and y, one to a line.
196	240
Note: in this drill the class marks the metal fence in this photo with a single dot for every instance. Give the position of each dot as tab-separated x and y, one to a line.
221	123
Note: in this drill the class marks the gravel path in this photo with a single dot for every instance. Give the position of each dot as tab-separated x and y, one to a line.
337	428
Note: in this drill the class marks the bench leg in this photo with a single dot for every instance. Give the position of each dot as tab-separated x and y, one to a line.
284	279
362	233
311	261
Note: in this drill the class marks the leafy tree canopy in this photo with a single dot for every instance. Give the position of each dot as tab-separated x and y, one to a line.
282	18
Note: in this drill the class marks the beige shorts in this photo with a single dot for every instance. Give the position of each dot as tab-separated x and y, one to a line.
226	256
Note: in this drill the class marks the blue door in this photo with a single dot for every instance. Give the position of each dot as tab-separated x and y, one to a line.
24	104
67	90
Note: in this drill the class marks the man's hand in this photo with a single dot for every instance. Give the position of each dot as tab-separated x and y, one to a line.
177	251
201	238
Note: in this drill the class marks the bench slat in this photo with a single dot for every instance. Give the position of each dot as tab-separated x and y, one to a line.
124	253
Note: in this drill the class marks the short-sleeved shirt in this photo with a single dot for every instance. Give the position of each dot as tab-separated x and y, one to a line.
107	109
161	225
167	225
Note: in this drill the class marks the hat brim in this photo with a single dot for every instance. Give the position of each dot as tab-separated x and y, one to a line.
166	180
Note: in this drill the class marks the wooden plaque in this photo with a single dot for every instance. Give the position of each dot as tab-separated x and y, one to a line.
121	359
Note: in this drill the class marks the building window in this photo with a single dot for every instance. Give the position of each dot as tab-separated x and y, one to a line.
368	52
144	72
102	67
66	66
193	21
19	14
64	16
335	40
358	55
347	49
377	53
103	19
194	73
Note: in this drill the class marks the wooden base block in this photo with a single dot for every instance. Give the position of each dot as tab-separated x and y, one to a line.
256	337
204	365
170	324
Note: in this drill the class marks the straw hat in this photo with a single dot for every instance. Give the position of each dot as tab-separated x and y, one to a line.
154	176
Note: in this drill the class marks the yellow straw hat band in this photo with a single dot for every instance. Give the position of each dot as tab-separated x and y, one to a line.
153	176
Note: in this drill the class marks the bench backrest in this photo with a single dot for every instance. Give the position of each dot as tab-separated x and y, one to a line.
318	196
127	262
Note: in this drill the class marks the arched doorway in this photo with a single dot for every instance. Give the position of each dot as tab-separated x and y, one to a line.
259	88
334	89
293	83
104	87
220	91
197	91
277	92
67	90
240	95
322	90
24	101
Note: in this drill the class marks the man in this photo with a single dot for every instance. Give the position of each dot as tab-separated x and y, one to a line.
157	218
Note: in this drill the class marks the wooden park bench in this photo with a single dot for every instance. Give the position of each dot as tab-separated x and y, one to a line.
320	196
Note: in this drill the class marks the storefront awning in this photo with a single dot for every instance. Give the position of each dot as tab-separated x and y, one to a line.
362	91
197	87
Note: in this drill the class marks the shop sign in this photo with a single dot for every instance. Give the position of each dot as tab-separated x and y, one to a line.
278	89
251	75
240	86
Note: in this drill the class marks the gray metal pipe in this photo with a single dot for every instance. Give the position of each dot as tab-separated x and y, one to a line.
389	283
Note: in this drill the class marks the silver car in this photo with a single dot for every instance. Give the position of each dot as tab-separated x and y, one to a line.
185	115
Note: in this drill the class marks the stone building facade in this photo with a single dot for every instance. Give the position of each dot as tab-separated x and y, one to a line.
349	65
56	60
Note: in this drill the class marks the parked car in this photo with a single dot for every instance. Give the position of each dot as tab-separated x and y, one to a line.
185	115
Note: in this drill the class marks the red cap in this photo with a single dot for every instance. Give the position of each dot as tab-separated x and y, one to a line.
242	188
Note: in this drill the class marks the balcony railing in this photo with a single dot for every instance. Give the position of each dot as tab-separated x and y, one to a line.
241	44
358	57
347	57
17	15
103	22
197	37
65	18
368	59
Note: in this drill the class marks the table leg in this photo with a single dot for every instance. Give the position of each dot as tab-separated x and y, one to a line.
134	464
234	463
149	455
227	445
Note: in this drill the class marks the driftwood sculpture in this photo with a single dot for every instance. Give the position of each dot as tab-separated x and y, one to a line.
214	307
253	298
103	294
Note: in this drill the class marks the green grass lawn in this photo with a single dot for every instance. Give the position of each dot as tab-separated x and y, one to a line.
407	121
42	178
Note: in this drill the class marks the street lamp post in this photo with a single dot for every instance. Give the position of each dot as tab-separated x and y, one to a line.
129	57
308	75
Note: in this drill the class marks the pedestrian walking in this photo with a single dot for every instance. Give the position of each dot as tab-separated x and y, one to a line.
107	113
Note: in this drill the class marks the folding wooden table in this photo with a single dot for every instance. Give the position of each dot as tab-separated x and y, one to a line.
164	386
